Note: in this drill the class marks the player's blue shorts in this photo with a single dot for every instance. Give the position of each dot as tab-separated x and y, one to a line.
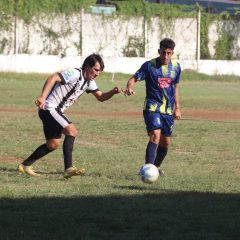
156	120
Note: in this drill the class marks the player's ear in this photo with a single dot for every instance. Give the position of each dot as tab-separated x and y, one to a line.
159	51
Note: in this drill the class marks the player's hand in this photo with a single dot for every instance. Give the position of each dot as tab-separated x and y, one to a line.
40	102
129	92
118	90
177	114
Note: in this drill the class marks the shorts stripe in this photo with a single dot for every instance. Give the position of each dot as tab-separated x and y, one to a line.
60	117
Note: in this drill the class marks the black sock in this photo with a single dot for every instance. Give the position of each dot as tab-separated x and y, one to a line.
67	151
150	152
161	154
38	153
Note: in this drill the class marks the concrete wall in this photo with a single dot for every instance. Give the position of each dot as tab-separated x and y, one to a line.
110	36
52	43
49	64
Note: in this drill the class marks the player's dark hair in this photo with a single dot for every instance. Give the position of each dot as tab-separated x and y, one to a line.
91	60
167	43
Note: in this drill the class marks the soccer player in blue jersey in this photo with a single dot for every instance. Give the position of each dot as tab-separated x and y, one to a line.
161	106
59	92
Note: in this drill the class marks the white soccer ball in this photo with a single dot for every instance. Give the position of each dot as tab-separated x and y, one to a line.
149	173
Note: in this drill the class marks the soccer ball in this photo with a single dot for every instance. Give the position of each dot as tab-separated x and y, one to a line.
149	173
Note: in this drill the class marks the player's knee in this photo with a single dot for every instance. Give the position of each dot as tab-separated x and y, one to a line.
155	139
165	142
53	145
75	132
155	136
70	130
164	145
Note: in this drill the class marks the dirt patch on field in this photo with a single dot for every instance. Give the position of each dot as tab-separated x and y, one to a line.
194	115
212	115
187	114
8	159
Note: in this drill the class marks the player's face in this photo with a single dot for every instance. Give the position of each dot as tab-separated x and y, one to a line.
165	55
92	73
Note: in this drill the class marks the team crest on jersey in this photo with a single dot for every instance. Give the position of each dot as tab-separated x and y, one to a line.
164	82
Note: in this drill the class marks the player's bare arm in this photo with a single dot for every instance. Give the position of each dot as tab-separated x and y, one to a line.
40	102
130	86
177	111
103	96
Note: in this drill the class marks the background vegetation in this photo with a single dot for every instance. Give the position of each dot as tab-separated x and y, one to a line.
27	9
198	198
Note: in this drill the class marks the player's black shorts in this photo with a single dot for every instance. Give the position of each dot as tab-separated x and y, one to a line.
54	122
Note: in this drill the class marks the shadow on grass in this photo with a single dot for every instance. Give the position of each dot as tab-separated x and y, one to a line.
165	215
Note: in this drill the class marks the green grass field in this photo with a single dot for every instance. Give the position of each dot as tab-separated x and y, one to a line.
199	197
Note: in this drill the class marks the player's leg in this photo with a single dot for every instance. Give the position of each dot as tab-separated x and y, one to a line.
25	166
70	133
162	151
152	145
52	131
153	125
41	151
164	142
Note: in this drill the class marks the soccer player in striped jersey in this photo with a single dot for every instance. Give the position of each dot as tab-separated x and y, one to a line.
161	106
59	92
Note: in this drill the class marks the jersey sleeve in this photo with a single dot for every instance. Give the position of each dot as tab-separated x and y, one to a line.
140	75
92	87
69	75
177	79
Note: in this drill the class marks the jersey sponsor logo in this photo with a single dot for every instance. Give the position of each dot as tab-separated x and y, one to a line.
164	82
68	74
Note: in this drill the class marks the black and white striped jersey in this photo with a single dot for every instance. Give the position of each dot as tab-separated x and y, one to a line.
72	86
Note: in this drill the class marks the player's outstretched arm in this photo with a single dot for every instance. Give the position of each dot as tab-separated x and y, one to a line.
130	86
104	96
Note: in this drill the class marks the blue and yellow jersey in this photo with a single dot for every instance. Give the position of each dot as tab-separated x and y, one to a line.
160	83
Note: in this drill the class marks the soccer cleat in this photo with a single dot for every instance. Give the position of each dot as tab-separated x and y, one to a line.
27	170
161	172
73	171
